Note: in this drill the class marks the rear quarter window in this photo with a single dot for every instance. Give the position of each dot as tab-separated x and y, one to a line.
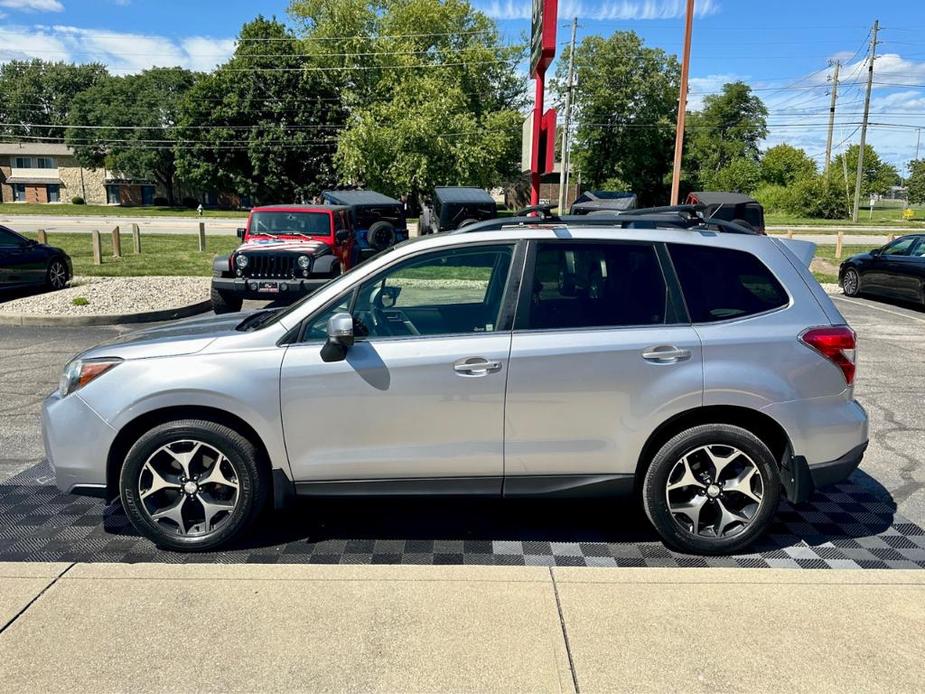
720	283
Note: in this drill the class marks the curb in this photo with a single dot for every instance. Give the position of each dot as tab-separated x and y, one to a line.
117	319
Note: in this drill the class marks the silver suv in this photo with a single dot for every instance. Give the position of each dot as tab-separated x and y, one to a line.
706	372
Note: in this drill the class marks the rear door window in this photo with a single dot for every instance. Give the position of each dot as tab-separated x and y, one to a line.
721	283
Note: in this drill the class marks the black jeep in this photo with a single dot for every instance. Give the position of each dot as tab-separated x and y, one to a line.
378	220
603	202
456	207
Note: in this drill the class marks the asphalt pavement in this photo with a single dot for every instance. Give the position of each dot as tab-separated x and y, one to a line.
890	384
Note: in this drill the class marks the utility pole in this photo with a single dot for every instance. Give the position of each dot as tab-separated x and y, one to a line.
682	106
870	85
918	141
828	141
566	131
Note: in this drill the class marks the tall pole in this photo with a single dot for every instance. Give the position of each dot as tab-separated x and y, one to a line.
537	130
918	141
828	141
682	105
870	85
567	129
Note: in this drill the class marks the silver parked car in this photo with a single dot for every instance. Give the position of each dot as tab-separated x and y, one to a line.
706	372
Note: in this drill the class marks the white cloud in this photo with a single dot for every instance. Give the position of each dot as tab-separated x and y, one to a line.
122	53
601	11
33	5
699	87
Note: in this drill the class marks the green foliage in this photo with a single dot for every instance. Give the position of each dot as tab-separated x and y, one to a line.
774	198
261	124
38	92
878	175
414	125
77	200
820	197
730	127
625	110
135	118
916	182
80	301
784	164
738	176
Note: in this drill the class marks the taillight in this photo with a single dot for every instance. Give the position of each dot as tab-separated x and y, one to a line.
838	344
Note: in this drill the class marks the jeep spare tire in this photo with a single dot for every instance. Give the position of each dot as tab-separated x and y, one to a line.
381	235
466	222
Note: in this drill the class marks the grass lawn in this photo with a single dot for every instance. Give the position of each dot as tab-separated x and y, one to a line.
882	216
68	210
162	254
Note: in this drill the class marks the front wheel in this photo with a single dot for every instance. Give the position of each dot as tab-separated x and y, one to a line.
712	489
192	485
225	302
56	276
851	282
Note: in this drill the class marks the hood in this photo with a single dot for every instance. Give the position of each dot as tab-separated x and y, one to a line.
173	339
275	245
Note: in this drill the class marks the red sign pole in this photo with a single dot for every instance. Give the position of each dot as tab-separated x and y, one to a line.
542	51
537	158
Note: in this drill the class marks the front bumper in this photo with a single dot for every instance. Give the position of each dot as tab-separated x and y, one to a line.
249	288
77	443
800	479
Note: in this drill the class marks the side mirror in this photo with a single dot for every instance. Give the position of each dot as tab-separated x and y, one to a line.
340	337
241	232
876	252
342	235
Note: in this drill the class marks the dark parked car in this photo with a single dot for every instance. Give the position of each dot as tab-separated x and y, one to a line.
897	270
603	201
27	263
378	220
730	207
456	207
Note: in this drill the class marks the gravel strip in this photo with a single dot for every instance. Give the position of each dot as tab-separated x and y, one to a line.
106	296
831	288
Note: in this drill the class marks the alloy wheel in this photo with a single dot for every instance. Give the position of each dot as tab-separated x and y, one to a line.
850	282
57	275
714	491
188	488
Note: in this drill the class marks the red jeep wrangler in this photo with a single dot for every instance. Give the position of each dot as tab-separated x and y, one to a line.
288	251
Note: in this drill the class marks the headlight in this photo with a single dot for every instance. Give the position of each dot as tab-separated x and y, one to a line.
79	373
241	261
304	262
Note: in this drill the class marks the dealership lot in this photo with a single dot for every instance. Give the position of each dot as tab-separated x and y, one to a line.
873	522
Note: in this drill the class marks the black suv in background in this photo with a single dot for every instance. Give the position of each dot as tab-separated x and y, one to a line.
456	207
730	207
603	202
378	220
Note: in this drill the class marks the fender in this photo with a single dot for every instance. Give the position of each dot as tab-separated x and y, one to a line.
221	265
323	264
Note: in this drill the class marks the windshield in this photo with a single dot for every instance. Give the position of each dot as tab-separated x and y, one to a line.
307	223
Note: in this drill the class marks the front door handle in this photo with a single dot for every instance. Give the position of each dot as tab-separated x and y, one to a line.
475	366
666	354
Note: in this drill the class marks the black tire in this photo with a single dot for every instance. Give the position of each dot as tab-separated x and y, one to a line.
655	495
241	455
851	286
466	222
335	271
381	235
56	275
225	302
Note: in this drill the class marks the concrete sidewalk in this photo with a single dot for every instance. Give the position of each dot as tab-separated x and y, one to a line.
157	627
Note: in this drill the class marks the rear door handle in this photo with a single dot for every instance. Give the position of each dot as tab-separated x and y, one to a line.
666	354
475	366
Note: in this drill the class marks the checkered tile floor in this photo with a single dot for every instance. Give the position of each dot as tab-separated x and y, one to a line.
843	527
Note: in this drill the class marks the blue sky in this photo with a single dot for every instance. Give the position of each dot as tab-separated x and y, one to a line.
781	48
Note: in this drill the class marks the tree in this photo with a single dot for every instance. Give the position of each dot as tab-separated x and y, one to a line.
625	110
39	93
730	126
783	164
916	182
265	123
128	124
738	176
428	106
820	197
878	176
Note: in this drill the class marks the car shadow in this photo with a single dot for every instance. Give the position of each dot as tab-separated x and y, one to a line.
889	301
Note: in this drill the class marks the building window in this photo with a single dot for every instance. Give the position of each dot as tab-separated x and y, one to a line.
19	192
54	193
147	195
44	163
112	195
22	163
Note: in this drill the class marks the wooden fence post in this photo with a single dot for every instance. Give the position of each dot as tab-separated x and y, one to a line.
136	238
789	233
41	236
97	247
838	243
202	236
116	243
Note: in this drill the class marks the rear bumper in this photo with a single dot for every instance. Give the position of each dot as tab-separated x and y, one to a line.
258	289
801	480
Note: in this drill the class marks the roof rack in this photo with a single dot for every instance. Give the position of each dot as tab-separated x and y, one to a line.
687	217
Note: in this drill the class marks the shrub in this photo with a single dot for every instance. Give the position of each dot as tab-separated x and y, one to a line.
77	200
161	202
80	301
191	203
774	198
738	176
819	197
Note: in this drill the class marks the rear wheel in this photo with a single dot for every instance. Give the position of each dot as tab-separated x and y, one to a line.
225	302
851	282
56	274
192	485
712	489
